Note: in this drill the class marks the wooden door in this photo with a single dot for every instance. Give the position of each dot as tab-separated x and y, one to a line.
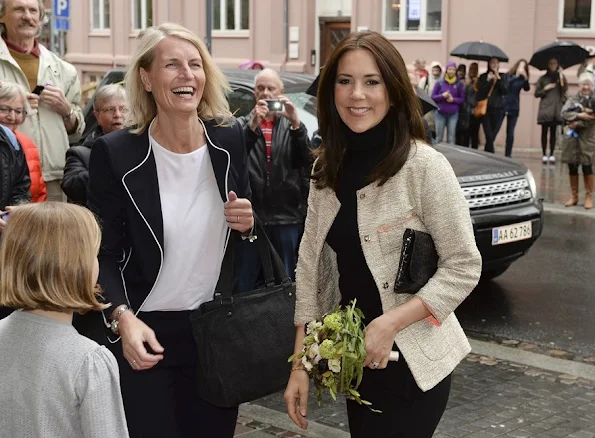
331	33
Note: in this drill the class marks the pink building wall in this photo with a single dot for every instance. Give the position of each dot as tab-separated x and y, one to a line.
517	26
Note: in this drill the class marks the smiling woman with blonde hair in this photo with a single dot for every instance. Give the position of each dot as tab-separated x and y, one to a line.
170	191
48	261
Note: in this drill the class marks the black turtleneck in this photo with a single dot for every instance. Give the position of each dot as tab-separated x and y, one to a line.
362	154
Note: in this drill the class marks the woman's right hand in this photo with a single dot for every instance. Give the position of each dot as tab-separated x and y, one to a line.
296	397
134	334
549	86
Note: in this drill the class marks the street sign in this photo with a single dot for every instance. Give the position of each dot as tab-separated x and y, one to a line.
62	9
62	24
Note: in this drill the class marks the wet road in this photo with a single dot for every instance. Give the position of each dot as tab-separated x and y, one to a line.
548	296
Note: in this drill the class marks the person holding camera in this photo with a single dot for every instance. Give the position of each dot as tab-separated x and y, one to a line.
579	141
278	149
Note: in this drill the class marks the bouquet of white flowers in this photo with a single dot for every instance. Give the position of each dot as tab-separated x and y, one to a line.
334	352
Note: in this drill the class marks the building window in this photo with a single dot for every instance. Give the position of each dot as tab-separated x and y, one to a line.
577	14
100	14
142	14
231	15
412	15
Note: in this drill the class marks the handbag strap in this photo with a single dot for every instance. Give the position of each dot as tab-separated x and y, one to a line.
492	89
273	269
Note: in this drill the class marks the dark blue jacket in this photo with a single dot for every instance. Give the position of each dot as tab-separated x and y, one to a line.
512	99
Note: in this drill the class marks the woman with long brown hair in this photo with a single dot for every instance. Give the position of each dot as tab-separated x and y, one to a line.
374	177
518	79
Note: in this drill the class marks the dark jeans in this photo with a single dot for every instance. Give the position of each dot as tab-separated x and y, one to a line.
407	411
511	119
551	128
573	169
490	123
285	240
163	401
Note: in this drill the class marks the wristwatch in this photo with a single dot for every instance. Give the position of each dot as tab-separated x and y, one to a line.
69	114
116	319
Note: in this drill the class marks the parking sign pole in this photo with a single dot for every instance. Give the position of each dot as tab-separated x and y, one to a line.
209	14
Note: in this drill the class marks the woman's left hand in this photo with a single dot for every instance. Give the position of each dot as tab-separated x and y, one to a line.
238	213
380	336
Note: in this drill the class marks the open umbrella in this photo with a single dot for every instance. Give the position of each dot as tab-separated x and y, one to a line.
425	100
566	52
479	51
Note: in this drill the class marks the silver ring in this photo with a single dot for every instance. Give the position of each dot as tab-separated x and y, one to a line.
375	364
133	362
238	219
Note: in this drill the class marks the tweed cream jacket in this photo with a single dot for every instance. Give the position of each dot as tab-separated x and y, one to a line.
424	195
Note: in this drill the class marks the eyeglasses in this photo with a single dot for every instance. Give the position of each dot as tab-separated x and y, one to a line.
112	110
6	110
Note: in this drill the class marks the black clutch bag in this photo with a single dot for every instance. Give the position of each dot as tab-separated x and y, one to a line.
419	261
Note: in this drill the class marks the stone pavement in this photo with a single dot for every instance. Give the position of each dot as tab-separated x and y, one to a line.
490	397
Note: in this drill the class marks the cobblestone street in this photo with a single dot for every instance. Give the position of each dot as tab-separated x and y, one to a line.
489	397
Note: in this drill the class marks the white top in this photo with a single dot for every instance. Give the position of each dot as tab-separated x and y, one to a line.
55	383
194	230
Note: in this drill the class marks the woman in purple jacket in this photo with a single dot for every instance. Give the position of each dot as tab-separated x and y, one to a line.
449	94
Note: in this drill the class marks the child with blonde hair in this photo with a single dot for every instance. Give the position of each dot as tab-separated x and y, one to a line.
54	382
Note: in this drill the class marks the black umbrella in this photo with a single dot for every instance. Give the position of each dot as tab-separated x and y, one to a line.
566	52
425	100
479	51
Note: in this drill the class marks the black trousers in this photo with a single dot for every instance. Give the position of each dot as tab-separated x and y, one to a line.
163	401
490	122
462	137
474	124
407	411
511	119
551	128
573	169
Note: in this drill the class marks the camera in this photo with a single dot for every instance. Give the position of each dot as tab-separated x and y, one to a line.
274	104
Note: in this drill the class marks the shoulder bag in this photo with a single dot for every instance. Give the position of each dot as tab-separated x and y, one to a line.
481	107
243	341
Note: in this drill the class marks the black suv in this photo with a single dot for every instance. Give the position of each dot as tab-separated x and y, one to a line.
507	215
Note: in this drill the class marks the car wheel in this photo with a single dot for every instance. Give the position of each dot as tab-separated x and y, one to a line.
494	272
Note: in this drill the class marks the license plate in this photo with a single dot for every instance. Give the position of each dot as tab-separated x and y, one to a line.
512	233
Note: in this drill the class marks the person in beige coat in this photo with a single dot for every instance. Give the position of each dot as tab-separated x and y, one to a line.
56	119
374	177
578	147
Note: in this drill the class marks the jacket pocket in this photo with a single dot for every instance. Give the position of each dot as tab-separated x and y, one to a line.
390	236
431	340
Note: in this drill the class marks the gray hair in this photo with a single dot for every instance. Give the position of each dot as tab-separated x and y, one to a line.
266	71
43	18
11	90
108	92
587	77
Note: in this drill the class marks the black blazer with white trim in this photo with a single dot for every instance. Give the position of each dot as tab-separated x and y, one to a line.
123	192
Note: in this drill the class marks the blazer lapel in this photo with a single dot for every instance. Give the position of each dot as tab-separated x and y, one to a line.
220	159
143	186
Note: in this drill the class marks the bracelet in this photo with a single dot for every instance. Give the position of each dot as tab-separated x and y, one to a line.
298	369
116	320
